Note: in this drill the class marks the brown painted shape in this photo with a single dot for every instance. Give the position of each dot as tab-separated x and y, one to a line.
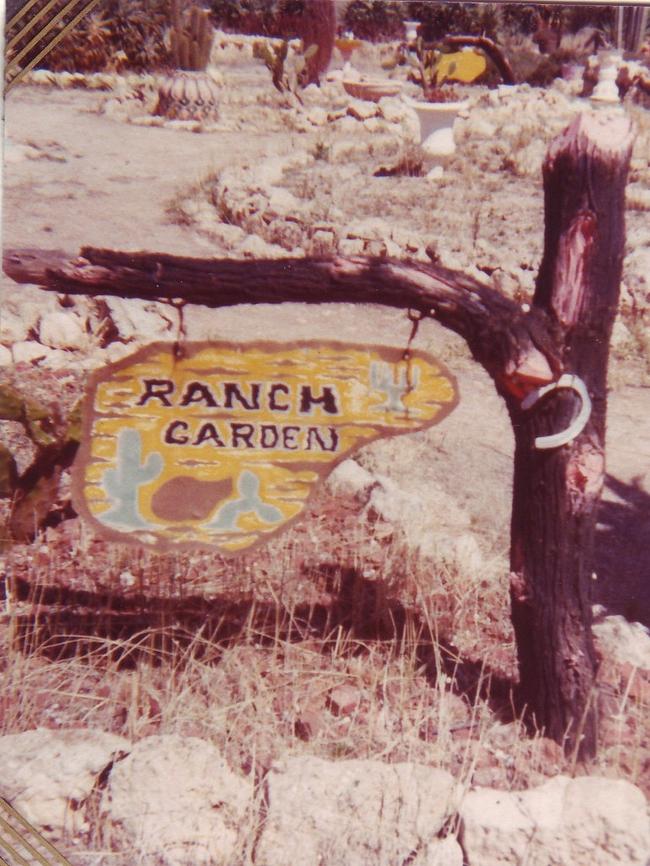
187	498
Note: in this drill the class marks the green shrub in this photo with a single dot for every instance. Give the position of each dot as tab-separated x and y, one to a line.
374	20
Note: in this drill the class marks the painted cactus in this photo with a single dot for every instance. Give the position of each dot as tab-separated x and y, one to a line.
190	93
122	483
382	379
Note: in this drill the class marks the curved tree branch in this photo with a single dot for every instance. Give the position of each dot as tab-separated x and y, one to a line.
512	345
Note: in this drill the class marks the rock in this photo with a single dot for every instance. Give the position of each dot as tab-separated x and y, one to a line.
622	641
29	352
436	173
342	149
317	116
372	124
322	243
63	330
6	358
141	321
226	234
14	329
282	202
356	813
309	723
350	477
57	359
254	247
621	338
461	552
372	228
344	700
637	197
177	802
351	246
360	109
393	109
47	775
22	308
346	124
594	821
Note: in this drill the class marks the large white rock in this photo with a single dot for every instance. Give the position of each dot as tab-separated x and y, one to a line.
624	642
566	822
48	774
14	328
177	802
62	331
142	321
356	813
29	352
437	526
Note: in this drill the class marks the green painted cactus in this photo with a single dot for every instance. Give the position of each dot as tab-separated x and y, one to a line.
34	492
124	481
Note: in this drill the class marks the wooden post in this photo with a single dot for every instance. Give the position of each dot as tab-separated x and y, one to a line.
557	490
565	332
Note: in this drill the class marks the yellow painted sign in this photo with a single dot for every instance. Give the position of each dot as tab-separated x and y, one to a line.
223	446
465	66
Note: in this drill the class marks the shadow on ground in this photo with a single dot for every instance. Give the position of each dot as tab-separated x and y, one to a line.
66	623
622	554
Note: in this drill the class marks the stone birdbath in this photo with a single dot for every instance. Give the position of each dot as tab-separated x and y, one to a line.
371	89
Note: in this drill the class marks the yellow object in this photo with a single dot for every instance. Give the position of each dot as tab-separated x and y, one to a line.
462	66
224	445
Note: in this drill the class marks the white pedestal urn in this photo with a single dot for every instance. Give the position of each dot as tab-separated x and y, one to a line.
347	45
411	30
437	128
606	91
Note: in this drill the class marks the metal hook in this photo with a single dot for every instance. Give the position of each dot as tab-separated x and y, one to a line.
574	383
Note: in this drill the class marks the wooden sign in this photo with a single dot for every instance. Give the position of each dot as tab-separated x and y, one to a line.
223	446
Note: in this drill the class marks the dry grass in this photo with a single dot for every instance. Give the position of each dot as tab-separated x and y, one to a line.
246	653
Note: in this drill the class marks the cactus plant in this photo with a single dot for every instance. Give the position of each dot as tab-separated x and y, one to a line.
286	76
190	93
34	492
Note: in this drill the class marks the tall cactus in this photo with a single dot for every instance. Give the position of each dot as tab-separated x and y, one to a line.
189	94
191	37
631	26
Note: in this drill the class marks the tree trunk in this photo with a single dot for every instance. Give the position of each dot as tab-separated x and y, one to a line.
557	490
567	331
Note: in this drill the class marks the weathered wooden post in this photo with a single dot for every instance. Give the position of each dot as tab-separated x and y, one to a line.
548	361
557	489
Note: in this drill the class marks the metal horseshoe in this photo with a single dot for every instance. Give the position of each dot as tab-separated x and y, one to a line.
574	383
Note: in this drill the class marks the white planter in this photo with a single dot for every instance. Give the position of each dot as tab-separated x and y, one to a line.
437	126
411	30
606	91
